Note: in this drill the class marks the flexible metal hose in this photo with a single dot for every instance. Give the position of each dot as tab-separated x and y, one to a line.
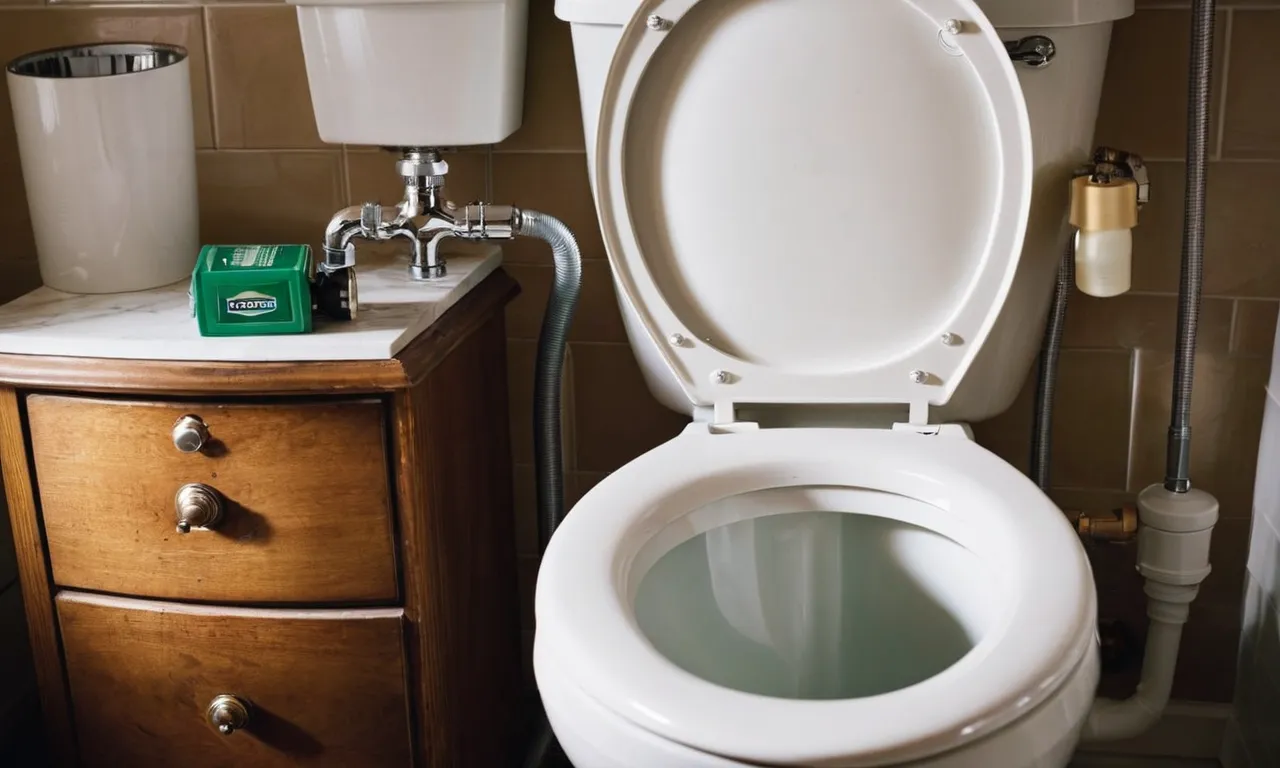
547	377
1041	431
1178	456
549	367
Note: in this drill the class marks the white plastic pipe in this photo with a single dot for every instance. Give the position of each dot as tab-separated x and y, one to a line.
1111	720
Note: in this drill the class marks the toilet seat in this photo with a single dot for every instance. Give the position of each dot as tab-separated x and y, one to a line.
882	282
594	563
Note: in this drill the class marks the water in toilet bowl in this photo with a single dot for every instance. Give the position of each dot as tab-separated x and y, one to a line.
816	604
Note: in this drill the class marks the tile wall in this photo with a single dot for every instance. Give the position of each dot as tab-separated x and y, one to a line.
266	176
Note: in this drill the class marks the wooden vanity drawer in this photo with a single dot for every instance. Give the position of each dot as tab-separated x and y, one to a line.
322	687
303	487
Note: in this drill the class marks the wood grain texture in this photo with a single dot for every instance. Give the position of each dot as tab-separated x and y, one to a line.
180	377
452	452
306	486
33	574
327	687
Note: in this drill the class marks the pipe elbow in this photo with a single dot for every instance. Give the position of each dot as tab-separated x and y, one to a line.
344	225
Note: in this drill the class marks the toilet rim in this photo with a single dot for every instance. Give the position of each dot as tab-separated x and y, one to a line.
586	625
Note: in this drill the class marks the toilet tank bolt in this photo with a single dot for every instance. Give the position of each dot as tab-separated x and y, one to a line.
659	24
677	340
950	339
720	377
953	26
918	377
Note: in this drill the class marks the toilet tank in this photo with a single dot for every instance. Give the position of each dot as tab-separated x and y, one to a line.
416	73
1062	103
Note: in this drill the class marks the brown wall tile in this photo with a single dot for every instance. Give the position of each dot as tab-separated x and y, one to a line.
552	116
1255	328
1242	232
1139	321
259	79
1251	123
268	197
598	317
521	360
617	417
1009	434
1226	422
556	184
1090	446
1144	98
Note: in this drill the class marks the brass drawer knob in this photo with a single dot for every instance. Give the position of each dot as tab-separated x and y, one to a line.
197	506
228	713
190	434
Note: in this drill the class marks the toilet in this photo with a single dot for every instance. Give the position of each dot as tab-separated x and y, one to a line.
832	227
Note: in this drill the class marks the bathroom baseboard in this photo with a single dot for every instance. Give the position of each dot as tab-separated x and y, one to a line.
1189	729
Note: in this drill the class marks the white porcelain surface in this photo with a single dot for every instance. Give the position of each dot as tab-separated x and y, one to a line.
157	324
109	165
1027	648
899	239
1042	13
1062	103
427	73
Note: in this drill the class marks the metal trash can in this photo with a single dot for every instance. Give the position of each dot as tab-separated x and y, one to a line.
107	145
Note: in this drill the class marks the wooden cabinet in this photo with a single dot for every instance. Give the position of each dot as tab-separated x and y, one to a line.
301	489
321	558
317	686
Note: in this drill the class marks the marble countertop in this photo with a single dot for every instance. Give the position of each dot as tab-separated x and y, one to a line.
157	324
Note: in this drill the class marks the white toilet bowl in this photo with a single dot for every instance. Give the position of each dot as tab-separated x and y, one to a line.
815	213
787	549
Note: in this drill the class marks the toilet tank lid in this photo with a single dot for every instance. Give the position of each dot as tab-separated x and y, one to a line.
1002	13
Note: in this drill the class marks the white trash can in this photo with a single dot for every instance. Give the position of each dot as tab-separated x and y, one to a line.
107	147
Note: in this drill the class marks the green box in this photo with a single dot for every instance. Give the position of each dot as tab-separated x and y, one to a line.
252	290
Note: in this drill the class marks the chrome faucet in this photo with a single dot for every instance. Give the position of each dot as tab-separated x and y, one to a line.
423	217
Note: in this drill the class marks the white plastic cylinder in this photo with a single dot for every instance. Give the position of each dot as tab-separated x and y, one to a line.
106	140
1104	261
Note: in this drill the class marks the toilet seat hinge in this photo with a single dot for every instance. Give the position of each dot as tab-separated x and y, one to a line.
724	420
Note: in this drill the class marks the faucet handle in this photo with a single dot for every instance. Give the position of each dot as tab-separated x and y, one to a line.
370	218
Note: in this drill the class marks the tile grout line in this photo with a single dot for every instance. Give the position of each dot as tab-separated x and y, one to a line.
1135	374
1233	327
1221	105
207	34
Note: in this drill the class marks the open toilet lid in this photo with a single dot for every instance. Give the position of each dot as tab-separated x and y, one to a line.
811	201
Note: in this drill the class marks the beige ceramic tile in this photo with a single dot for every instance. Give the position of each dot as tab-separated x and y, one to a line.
1144	98
259	79
268	197
1009	434
1242	230
521	358
1251	124
1091	420
26	30
1255	328
1226	422
1142	322
372	175
552	115
554	184
598	317
617	417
